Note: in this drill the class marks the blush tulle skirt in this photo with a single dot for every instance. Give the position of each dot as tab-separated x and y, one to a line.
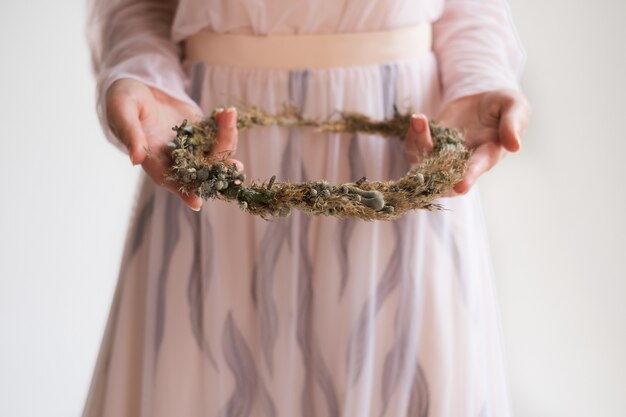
218	313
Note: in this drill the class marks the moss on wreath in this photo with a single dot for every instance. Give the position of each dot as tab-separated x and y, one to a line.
196	171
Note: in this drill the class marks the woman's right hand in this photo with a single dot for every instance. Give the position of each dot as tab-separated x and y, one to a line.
142	118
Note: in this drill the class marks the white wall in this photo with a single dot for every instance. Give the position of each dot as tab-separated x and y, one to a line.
554	213
65	200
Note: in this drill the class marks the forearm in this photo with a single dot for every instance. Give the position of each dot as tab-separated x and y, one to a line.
477	48
131	39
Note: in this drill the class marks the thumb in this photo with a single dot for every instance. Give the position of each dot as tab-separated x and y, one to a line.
227	135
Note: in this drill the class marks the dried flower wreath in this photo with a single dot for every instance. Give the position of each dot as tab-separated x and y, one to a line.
195	170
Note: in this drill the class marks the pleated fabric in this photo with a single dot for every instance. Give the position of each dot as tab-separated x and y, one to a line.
222	314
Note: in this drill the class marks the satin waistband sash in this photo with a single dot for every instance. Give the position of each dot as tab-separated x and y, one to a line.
309	51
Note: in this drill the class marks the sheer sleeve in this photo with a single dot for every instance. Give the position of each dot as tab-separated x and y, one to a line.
132	39
477	47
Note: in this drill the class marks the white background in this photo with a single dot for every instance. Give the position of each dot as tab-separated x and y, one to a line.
555	213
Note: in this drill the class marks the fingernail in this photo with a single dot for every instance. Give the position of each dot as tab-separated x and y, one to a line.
132	159
217	112
231	109
195	209
231	117
418	123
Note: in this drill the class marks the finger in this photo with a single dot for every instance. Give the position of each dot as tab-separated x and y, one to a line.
191	200
419	124
418	142
238	164
123	115
156	169
483	159
227	135
513	121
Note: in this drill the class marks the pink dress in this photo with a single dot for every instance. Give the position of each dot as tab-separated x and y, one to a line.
222	314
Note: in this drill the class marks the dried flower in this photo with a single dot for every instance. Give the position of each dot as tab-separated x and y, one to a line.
369	200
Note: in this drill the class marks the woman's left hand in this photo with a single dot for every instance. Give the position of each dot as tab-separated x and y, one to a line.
492	122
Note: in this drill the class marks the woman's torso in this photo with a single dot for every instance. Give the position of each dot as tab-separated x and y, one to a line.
300	17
